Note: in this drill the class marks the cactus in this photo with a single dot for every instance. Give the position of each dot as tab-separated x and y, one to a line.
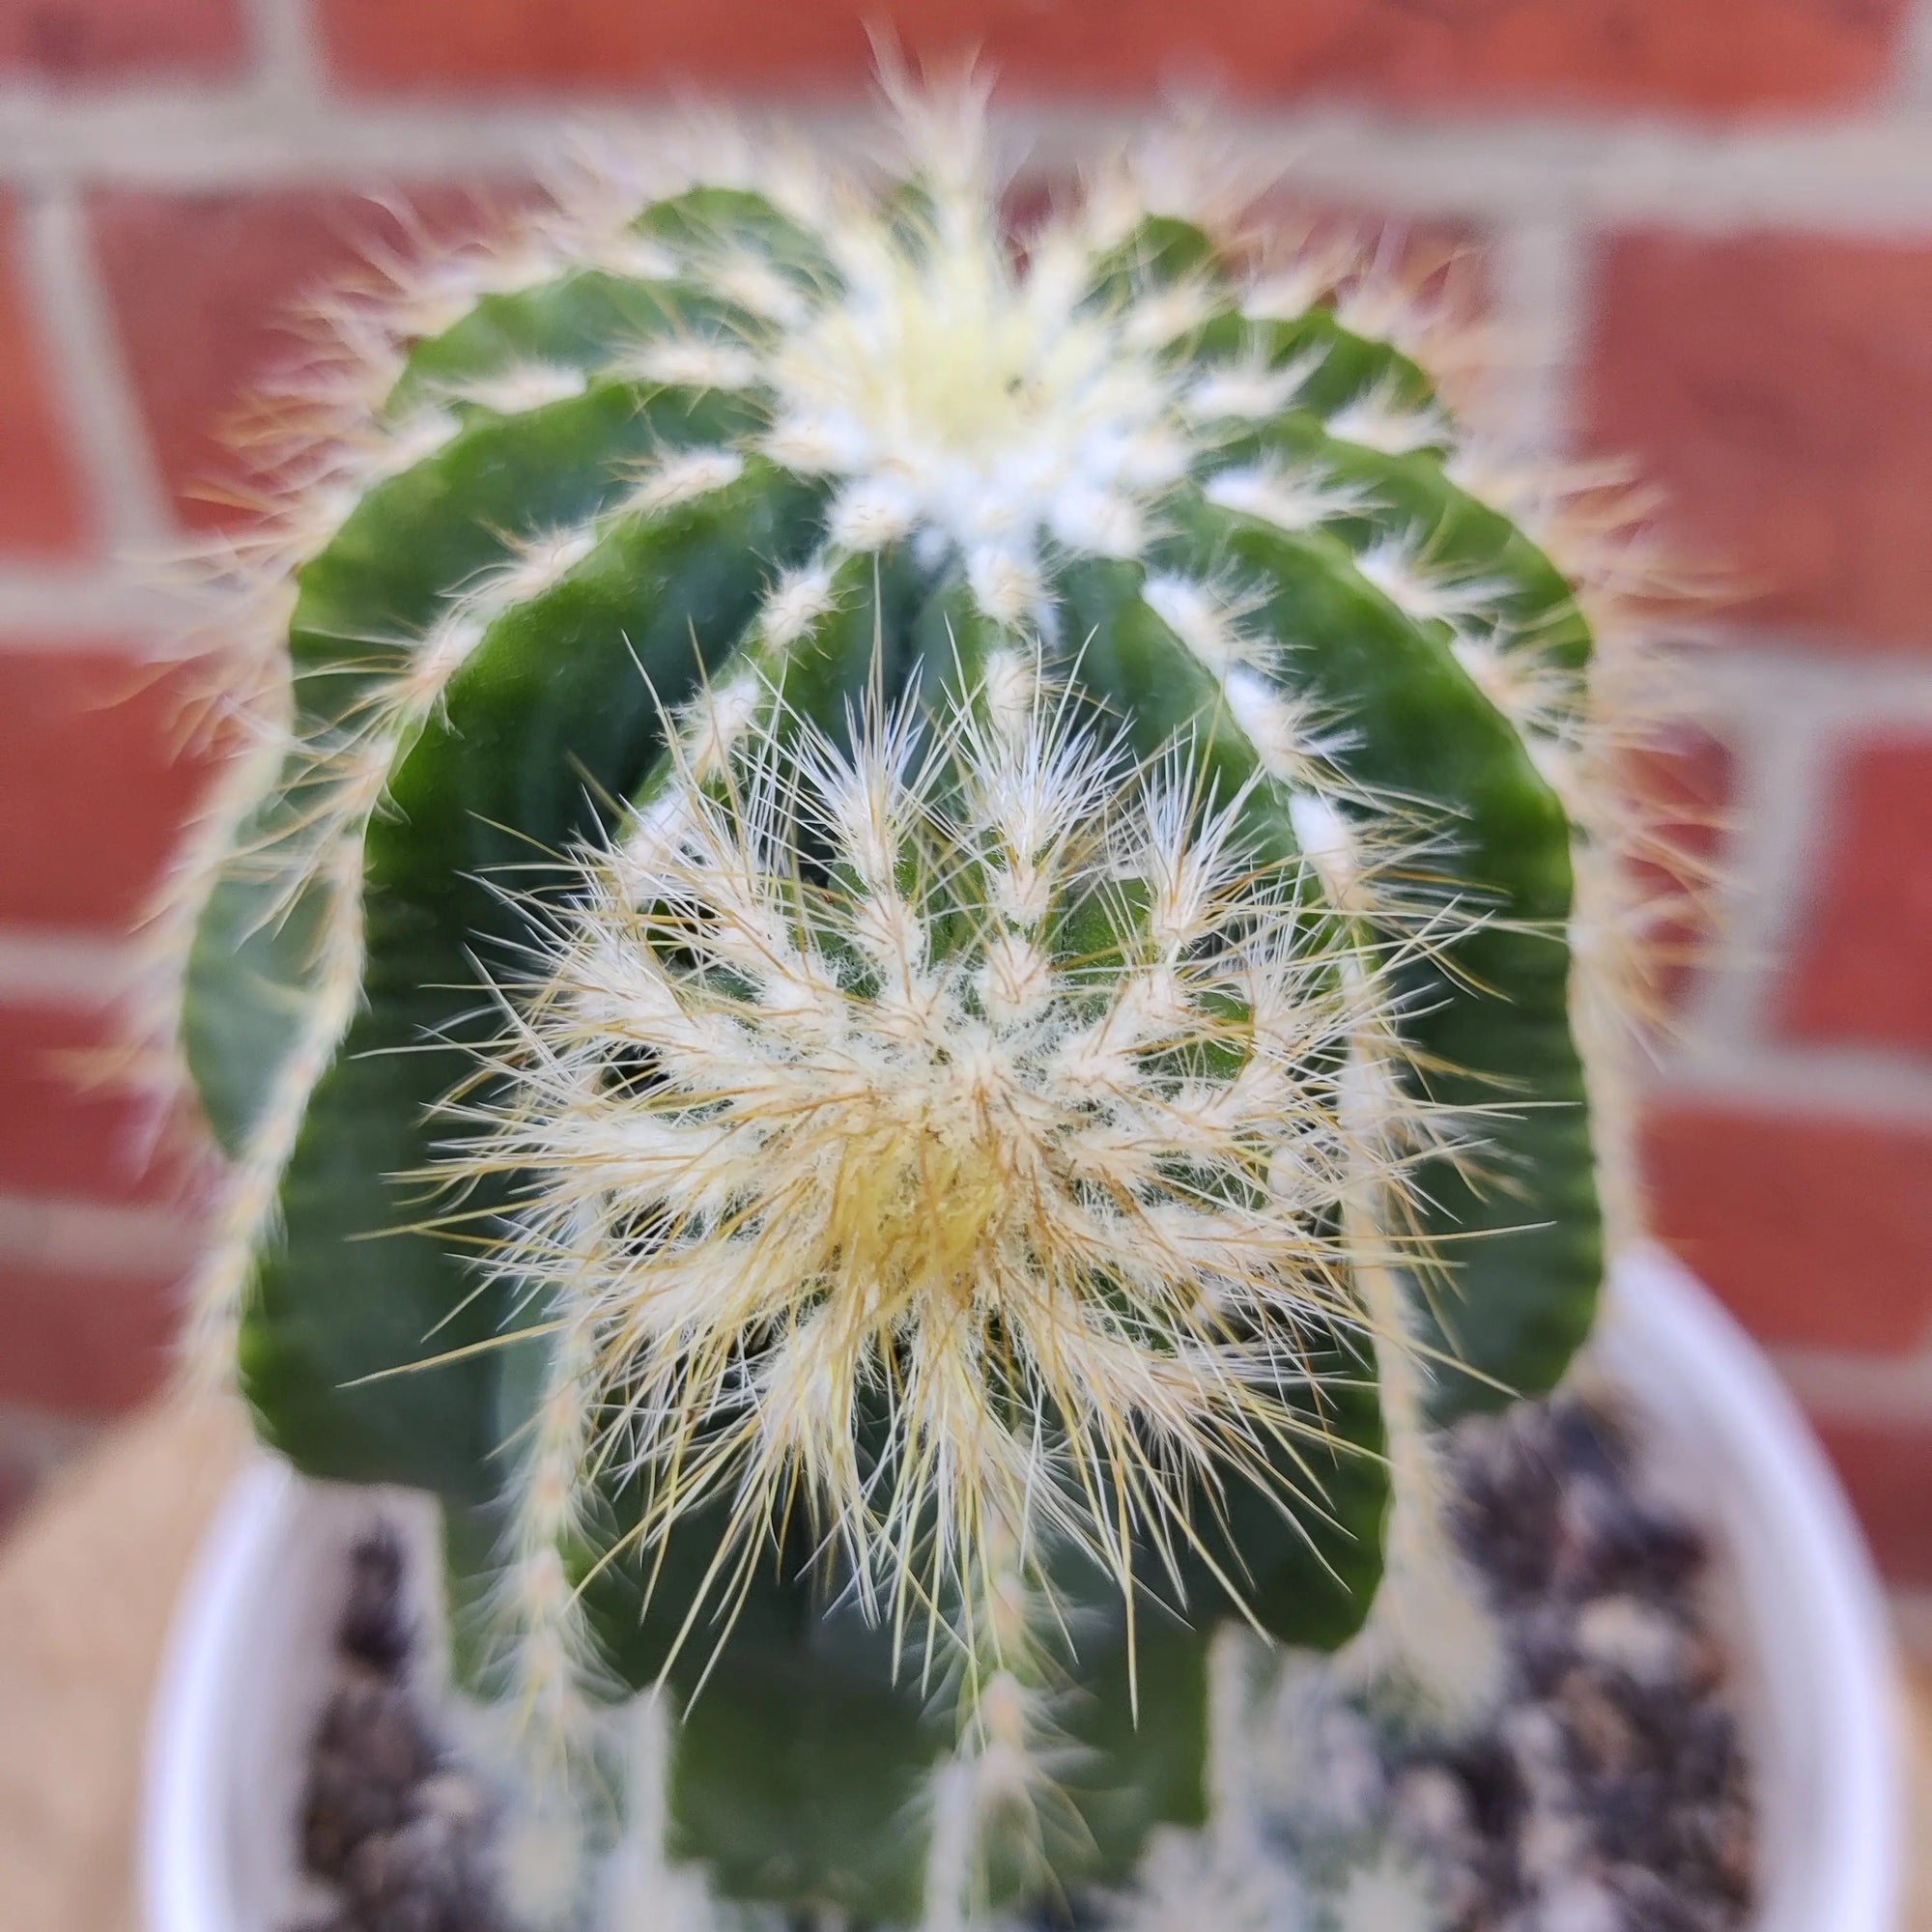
917	951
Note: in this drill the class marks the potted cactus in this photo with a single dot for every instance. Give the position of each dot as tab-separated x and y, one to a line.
922	951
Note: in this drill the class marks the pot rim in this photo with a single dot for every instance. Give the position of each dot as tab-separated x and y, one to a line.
1817	1636
1816	1633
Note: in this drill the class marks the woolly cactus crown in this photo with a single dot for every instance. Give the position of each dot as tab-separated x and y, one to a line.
903	977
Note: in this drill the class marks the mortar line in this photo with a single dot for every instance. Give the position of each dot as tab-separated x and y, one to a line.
75	971
1913	92
1789	722
1840	1383
84	608
1849	685
71	1236
1869	176
1794	723
1541	269
1828	1085
90	374
1782	757
289	70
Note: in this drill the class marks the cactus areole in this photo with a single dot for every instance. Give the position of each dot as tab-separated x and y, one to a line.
906	974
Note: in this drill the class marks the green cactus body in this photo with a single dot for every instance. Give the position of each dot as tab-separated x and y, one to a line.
732	480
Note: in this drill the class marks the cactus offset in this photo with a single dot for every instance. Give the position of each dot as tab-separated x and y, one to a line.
907	995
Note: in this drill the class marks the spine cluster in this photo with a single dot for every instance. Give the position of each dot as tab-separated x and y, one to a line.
1073	815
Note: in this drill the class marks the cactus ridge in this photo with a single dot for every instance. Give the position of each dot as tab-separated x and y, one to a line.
756	630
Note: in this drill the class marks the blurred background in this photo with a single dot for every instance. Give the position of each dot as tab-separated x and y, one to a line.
1704	226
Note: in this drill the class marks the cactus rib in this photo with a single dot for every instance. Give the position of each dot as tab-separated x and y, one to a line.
934	953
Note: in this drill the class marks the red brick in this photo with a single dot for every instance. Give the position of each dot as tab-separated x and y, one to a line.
1863	948
1777	385
71	1125
43	509
1814	1231
94	793
93	39
207	290
1438	258
1697	54
82	1344
1682	788
1886	1470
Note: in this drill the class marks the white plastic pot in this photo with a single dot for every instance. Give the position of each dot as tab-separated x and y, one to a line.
246	1669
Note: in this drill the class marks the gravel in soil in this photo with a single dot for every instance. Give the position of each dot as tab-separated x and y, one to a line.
1610	1792
391	1824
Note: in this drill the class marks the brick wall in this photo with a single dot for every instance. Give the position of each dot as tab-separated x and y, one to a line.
1711	218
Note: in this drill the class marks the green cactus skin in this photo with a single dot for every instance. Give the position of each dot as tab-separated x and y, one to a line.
578	508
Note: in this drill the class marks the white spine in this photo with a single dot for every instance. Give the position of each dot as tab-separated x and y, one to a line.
1430	1626
548	1649
997	1784
352	776
218	1291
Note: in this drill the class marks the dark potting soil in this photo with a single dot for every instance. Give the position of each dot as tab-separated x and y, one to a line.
391	1824
1611	1792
